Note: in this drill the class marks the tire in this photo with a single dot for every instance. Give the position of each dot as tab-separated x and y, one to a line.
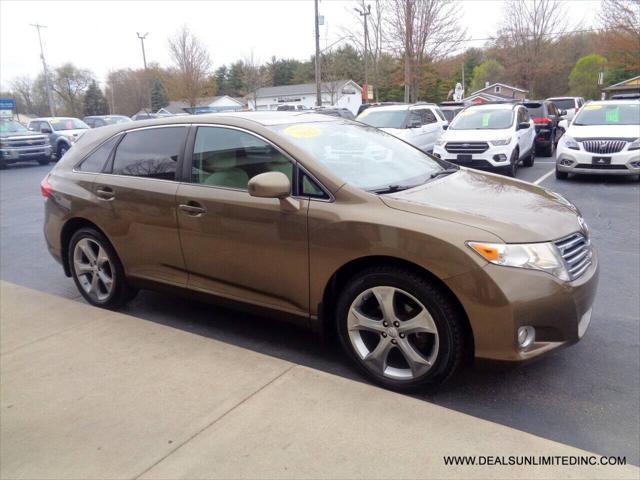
44	161
512	169
531	158
101	261
549	149
62	149
561	175
444	347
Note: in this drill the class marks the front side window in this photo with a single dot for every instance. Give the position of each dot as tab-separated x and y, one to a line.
150	153
363	156
225	157
483	119
96	161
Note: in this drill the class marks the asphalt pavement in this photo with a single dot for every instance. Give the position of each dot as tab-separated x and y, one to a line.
587	395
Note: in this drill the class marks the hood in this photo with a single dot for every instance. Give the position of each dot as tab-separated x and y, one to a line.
27	133
515	211
604	131
76	132
476	135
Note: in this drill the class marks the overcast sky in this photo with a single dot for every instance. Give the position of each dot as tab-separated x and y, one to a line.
101	35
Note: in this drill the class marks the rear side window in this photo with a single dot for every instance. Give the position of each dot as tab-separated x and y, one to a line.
96	161
151	153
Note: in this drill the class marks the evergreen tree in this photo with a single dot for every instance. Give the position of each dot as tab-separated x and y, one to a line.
94	101
159	98
222	80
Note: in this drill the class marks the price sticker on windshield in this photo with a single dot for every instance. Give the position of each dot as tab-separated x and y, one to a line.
592	107
613	115
302	131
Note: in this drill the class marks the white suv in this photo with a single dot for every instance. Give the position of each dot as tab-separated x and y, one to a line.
420	124
491	136
571	105
604	138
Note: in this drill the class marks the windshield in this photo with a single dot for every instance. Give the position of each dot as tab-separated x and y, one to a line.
565	104
360	155
483	119
612	114
115	120
384	118
67	124
11	127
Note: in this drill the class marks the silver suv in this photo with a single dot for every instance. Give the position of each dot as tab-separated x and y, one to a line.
63	131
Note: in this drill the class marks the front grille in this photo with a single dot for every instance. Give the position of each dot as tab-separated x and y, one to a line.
472	163
24	142
603	146
592	166
576	253
466	147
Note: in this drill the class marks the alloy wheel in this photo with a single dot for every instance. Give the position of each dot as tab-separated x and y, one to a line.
94	269
392	333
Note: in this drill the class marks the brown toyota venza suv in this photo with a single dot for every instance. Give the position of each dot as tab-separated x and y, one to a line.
414	264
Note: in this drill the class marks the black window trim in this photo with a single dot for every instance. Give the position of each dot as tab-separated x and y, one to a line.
76	167
298	169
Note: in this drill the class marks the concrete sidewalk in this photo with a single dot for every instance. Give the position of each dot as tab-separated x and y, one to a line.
87	393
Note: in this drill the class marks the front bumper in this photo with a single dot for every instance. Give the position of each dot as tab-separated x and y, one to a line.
498	300
24	153
579	161
487	159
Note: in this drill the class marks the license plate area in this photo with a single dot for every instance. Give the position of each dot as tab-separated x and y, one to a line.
601	160
464	158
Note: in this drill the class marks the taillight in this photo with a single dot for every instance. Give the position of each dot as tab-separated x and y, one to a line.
541	121
45	187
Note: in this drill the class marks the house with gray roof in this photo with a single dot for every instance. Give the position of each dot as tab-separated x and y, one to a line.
222	103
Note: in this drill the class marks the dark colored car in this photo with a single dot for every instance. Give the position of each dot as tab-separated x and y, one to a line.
414	264
337	112
95	121
19	144
450	110
546	117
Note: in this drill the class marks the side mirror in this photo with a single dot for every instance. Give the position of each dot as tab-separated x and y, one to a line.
45	130
270	185
444	127
563	113
523	125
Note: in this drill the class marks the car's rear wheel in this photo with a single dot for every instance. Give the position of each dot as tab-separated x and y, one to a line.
550	149
44	161
561	175
531	158
400	329
97	270
512	169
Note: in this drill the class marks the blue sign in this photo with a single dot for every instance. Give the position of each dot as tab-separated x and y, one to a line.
7	104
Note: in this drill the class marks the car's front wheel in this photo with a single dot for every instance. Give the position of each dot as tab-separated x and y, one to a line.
97	270
62	149
400	329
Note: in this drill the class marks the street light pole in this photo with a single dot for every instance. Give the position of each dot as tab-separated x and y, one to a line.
52	109
365	12
318	93
144	61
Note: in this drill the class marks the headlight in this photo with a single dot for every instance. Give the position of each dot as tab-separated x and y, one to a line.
570	142
635	145
504	141
535	256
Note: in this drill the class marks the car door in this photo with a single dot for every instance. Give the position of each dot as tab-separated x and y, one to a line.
135	200
527	136
238	246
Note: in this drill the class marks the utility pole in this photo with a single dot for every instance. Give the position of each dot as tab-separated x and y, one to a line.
52	109
463	79
318	92
366	11
144	60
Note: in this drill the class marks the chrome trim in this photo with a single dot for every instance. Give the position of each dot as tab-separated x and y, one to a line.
576	253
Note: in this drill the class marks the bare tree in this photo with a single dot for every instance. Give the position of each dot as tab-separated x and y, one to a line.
23	86
126	91
621	15
332	77
193	64
620	21
528	30
422	31
254	77
70	83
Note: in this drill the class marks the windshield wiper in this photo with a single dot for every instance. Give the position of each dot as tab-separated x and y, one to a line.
391	188
446	171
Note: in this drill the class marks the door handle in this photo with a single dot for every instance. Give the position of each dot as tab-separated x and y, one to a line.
193	209
105	193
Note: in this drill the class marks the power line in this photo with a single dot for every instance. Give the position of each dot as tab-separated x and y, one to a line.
550	34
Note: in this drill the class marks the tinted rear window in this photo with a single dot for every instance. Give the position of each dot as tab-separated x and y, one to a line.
95	162
535	109
151	153
566	104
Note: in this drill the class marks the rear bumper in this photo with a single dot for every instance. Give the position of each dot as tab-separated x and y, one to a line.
498	300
